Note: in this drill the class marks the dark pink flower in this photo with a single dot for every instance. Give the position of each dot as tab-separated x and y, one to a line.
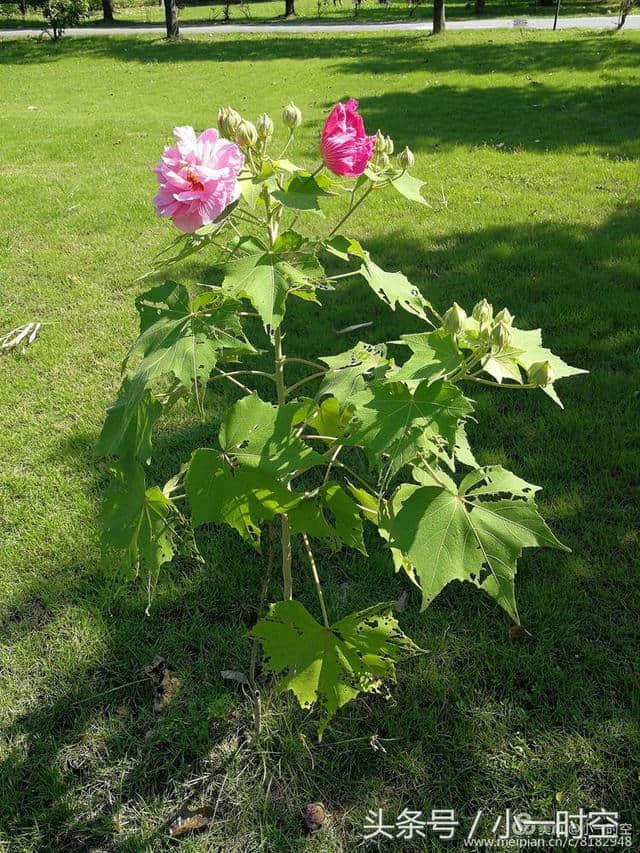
346	148
198	178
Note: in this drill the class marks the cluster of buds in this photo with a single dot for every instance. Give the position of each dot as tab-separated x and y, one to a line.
228	122
383	148
291	116
264	127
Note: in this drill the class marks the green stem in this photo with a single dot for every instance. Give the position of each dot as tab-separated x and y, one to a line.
304	381
351	210
511	386
316	579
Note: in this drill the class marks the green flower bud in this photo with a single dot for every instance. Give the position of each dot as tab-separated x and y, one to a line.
233	119
455	319
501	335
380	143
223	112
291	116
383	160
504	316
389	147
482	312
264	126
541	373
246	134
406	159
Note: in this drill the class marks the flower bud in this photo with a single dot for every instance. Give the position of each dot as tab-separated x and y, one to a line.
504	316
223	112
455	319
264	126
482	312
232	121
383	160
388	145
406	158
246	134
291	116
380	143
541	373
501	335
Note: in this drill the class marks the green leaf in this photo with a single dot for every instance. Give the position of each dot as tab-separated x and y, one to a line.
329	418
257	278
434	356
453	537
289	241
409	187
344	248
303	192
261	435
391	422
348	523
503	365
529	344
129	423
137	522
462	449
242	498
394	288
495	480
182	337
188	244
333	665
346	370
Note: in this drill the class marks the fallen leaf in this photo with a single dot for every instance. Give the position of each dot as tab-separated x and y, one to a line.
165	684
234	675
516	632
190	820
313	815
401	604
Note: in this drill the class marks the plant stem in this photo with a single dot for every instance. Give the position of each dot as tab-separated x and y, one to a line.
350	211
316	579
305	380
288	360
510	385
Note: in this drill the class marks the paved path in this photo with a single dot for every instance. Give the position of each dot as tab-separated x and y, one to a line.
594	22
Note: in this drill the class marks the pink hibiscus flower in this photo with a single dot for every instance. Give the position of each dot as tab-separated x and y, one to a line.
346	148
198	178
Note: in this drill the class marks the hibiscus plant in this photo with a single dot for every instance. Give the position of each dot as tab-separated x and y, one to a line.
366	437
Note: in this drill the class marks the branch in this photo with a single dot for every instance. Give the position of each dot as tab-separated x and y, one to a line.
316	579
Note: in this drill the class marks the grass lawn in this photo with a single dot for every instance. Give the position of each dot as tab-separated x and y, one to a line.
530	147
256	11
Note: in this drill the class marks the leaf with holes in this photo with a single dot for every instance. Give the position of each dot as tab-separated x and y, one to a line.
346	370
260	435
331	666
434	356
394	288
394	426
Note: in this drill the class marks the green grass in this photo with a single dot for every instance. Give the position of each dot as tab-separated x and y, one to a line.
256	11
529	145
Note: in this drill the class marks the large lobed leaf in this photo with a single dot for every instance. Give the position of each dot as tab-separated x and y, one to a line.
473	533
331	666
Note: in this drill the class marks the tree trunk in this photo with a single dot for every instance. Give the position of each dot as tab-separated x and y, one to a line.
555	20
479	7
171	18
107	11
289	8
438	17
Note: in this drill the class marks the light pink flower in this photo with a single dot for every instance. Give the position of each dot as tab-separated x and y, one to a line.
346	148
197	177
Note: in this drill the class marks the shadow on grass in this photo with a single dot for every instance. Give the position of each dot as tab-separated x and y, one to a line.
93	753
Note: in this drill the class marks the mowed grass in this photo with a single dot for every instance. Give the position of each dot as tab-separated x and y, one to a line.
529	145
345	11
